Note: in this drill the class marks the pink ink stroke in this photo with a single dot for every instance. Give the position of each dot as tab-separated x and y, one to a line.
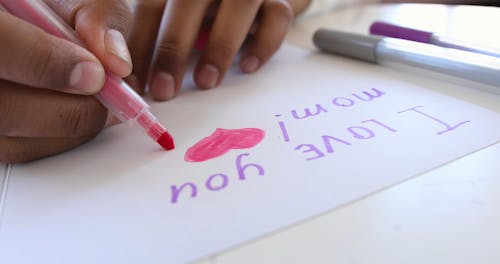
222	141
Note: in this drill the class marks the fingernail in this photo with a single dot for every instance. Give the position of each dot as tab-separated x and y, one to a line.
209	75
87	78
250	64
116	45
163	86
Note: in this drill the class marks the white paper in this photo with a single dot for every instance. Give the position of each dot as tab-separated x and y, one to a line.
111	201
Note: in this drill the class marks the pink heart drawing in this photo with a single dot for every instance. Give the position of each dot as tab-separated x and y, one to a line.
222	141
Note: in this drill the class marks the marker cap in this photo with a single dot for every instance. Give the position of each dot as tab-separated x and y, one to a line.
347	44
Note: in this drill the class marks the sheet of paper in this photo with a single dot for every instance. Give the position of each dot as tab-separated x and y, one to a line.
308	133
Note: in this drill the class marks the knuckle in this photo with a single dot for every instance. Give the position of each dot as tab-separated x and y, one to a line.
170	55
86	117
42	62
170	47
221	51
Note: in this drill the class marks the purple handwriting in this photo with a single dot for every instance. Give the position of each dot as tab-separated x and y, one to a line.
215	182
368	130
447	127
318	109
357	132
365	130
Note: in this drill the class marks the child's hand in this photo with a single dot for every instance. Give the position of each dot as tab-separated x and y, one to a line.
174	25
45	81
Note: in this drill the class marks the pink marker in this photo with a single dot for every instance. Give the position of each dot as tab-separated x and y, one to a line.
116	95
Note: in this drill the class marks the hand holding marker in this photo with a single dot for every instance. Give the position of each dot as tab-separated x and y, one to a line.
116	95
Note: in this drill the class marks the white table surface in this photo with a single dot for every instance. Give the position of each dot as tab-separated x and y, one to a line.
448	215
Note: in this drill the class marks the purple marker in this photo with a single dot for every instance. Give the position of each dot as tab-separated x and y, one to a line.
395	31
401	53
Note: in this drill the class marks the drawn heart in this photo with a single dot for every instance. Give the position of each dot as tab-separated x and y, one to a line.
222	141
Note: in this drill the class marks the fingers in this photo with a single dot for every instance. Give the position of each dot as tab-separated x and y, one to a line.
102	26
233	20
230	28
31	112
177	34
142	38
37	123
32	57
275	20
18	150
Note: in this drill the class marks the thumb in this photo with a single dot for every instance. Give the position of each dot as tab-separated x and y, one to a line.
102	25
32	57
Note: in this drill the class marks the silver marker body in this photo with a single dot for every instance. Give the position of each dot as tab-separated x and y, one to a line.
389	51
